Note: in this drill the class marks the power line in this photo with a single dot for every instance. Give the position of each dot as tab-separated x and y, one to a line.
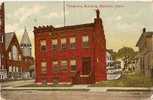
64	11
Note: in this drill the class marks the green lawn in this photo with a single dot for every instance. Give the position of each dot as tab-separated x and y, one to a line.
134	80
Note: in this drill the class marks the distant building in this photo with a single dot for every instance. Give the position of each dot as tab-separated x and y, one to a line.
113	67
13	61
13	56
26	49
145	54
71	54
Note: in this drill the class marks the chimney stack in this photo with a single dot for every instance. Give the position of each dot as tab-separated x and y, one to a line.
144	30
97	13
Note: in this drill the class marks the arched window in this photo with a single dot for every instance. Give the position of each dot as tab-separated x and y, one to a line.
15	52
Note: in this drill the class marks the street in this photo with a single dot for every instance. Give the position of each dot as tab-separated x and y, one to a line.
74	95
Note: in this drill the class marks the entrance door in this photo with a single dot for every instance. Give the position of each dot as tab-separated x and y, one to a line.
86	65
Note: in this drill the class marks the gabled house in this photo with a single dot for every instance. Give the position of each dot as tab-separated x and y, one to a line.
14	56
26	49
145	55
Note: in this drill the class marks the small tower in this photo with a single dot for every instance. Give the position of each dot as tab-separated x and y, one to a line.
25	44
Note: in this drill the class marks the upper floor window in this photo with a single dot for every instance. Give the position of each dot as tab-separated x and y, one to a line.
43	45
44	67
15	52
54	44
72	42
20	57
64	65
63	43
73	65
85	41
10	55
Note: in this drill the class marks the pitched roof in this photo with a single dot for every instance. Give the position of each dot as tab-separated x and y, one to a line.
25	38
143	35
8	38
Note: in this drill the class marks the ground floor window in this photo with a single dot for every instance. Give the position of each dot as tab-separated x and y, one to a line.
55	66
64	65
44	67
73	65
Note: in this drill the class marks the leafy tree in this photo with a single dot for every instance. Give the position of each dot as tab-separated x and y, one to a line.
125	52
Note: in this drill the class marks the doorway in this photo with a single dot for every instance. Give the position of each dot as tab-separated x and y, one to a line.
86	65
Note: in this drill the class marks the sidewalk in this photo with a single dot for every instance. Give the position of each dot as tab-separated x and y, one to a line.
85	88
17	83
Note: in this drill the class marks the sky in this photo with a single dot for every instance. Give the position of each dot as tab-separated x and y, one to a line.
122	21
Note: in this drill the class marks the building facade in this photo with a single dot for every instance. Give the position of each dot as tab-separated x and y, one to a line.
113	67
26	49
71	54
3	71
145	55
14	57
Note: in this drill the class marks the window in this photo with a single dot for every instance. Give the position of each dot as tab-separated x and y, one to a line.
73	65
10	68
72	42
63	43
44	67
54	44
14	69
20	57
43	45
17	69
15	52
64	65
85	40
55	66
10	55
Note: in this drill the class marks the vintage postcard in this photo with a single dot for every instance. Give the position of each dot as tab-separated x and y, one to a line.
76	50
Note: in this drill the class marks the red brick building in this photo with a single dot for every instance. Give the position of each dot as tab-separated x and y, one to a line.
71	54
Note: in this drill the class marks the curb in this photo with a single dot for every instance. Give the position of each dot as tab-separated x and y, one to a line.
90	89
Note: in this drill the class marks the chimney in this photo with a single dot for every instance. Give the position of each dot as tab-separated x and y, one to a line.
97	13
144	30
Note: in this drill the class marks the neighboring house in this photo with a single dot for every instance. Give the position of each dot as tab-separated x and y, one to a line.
113	67
121	63
13	56
14	62
71	54
26	49
3	70
145	54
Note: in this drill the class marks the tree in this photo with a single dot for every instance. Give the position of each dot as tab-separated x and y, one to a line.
125	52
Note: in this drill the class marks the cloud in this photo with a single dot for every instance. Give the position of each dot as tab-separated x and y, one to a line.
25	12
56	14
11	27
118	18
